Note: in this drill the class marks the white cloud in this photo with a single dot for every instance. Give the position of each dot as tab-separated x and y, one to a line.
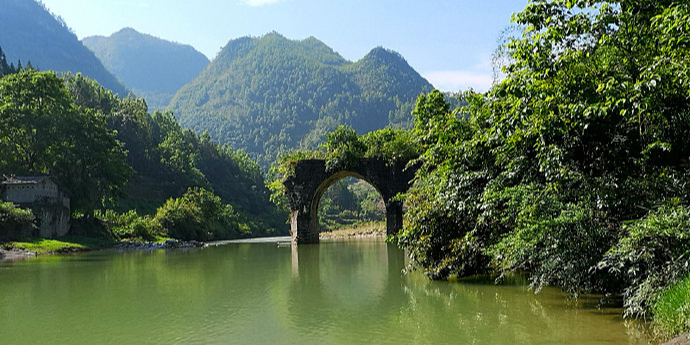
460	80
256	3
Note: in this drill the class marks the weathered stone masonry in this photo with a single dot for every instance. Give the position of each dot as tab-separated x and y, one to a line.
40	193
311	180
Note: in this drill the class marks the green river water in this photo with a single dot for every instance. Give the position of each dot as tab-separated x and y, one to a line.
337	292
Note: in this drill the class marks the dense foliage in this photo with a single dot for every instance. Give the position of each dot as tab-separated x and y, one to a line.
343	148
200	215
269	95
42	131
152	67
92	142
652	253
29	32
15	223
574	168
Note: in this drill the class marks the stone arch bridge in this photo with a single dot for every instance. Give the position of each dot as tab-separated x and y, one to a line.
311	180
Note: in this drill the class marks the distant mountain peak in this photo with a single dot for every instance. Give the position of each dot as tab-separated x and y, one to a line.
385	55
132	33
127	30
309	48
29	32
274	34
153	67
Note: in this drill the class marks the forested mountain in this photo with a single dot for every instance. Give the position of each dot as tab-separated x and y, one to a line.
271	94
152	67
30	33
167	160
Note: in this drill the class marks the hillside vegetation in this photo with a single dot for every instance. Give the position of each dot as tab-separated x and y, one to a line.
270	94
31	34
111	156
152	67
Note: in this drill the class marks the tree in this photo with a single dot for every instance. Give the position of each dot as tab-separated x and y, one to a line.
200	215
391	144
93	167
34	108
43	132
4	67
344	147
87	93
588	131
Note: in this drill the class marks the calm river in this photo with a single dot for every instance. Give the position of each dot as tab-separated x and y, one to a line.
338	292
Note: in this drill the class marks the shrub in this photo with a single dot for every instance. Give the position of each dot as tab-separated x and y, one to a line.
557	241
15	223
344	147
653	254
200	215
130	225
440	233
391	144
147	229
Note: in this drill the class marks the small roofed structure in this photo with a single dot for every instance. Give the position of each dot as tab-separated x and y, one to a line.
42	195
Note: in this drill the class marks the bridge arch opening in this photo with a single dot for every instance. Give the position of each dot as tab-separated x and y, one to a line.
311	179
350	202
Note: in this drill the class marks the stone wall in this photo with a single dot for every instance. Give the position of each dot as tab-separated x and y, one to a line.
23	193
39	193
53	219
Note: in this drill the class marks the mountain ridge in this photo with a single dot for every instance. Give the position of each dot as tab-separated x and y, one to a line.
154	68
29	32
270	94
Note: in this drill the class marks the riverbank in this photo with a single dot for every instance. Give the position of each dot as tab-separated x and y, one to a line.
42	246
680	340
167	244
15	254
365	230
72	244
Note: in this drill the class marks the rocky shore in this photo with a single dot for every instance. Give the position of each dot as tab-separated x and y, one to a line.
336	235
169	244
15	254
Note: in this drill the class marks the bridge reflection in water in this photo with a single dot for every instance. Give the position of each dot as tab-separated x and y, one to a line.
335	281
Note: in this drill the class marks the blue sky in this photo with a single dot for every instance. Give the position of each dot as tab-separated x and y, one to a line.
449	42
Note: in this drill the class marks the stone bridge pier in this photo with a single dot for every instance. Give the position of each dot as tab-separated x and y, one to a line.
311	180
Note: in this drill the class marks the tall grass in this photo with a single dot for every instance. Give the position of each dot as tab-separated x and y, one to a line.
45	246
672	309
